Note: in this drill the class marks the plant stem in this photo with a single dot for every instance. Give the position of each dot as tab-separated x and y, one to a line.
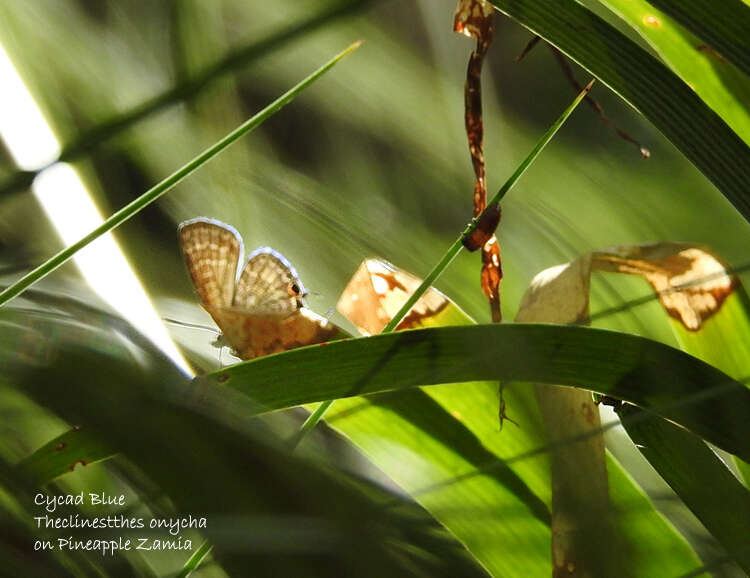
242	56
310	423
195	560
158	190
455	248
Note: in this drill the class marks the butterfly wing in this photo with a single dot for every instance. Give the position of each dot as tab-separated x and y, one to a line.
212	251
253	336
263	312
268	285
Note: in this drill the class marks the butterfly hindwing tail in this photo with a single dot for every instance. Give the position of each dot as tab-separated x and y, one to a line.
261	313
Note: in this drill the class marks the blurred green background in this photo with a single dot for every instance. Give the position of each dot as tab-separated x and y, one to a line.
372	160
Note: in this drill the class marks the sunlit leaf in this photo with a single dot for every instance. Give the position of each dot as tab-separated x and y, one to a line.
698	476
646	84
723	25
693	287
719	84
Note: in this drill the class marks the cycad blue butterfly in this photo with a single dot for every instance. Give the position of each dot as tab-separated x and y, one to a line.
260	312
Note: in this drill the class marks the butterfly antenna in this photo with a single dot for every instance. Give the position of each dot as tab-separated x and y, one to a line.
179	323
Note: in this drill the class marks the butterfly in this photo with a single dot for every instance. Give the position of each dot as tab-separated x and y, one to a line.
262	310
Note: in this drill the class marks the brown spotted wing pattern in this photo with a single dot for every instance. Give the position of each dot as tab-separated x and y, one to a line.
212	251
263	311
268	284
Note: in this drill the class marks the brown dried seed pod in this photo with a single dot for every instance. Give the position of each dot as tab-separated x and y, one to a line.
484	230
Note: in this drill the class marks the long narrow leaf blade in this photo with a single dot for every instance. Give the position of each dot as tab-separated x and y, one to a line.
717	82
454	249
654	376
647	85
723	25
161	188
699	477
74	448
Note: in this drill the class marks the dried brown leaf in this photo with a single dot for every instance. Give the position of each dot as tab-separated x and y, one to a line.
475	18
690	281
376	292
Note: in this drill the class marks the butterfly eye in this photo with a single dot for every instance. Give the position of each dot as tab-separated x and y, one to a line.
293	289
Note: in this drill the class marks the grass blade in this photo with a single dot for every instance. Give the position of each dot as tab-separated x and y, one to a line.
455	249
195	560
168	183
654	376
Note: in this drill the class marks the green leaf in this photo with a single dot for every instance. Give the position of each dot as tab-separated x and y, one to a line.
490	489
168	183
723	25
721	86
656	377
445	451
195	560
265	509
698	476
702	300
63	454
645	83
